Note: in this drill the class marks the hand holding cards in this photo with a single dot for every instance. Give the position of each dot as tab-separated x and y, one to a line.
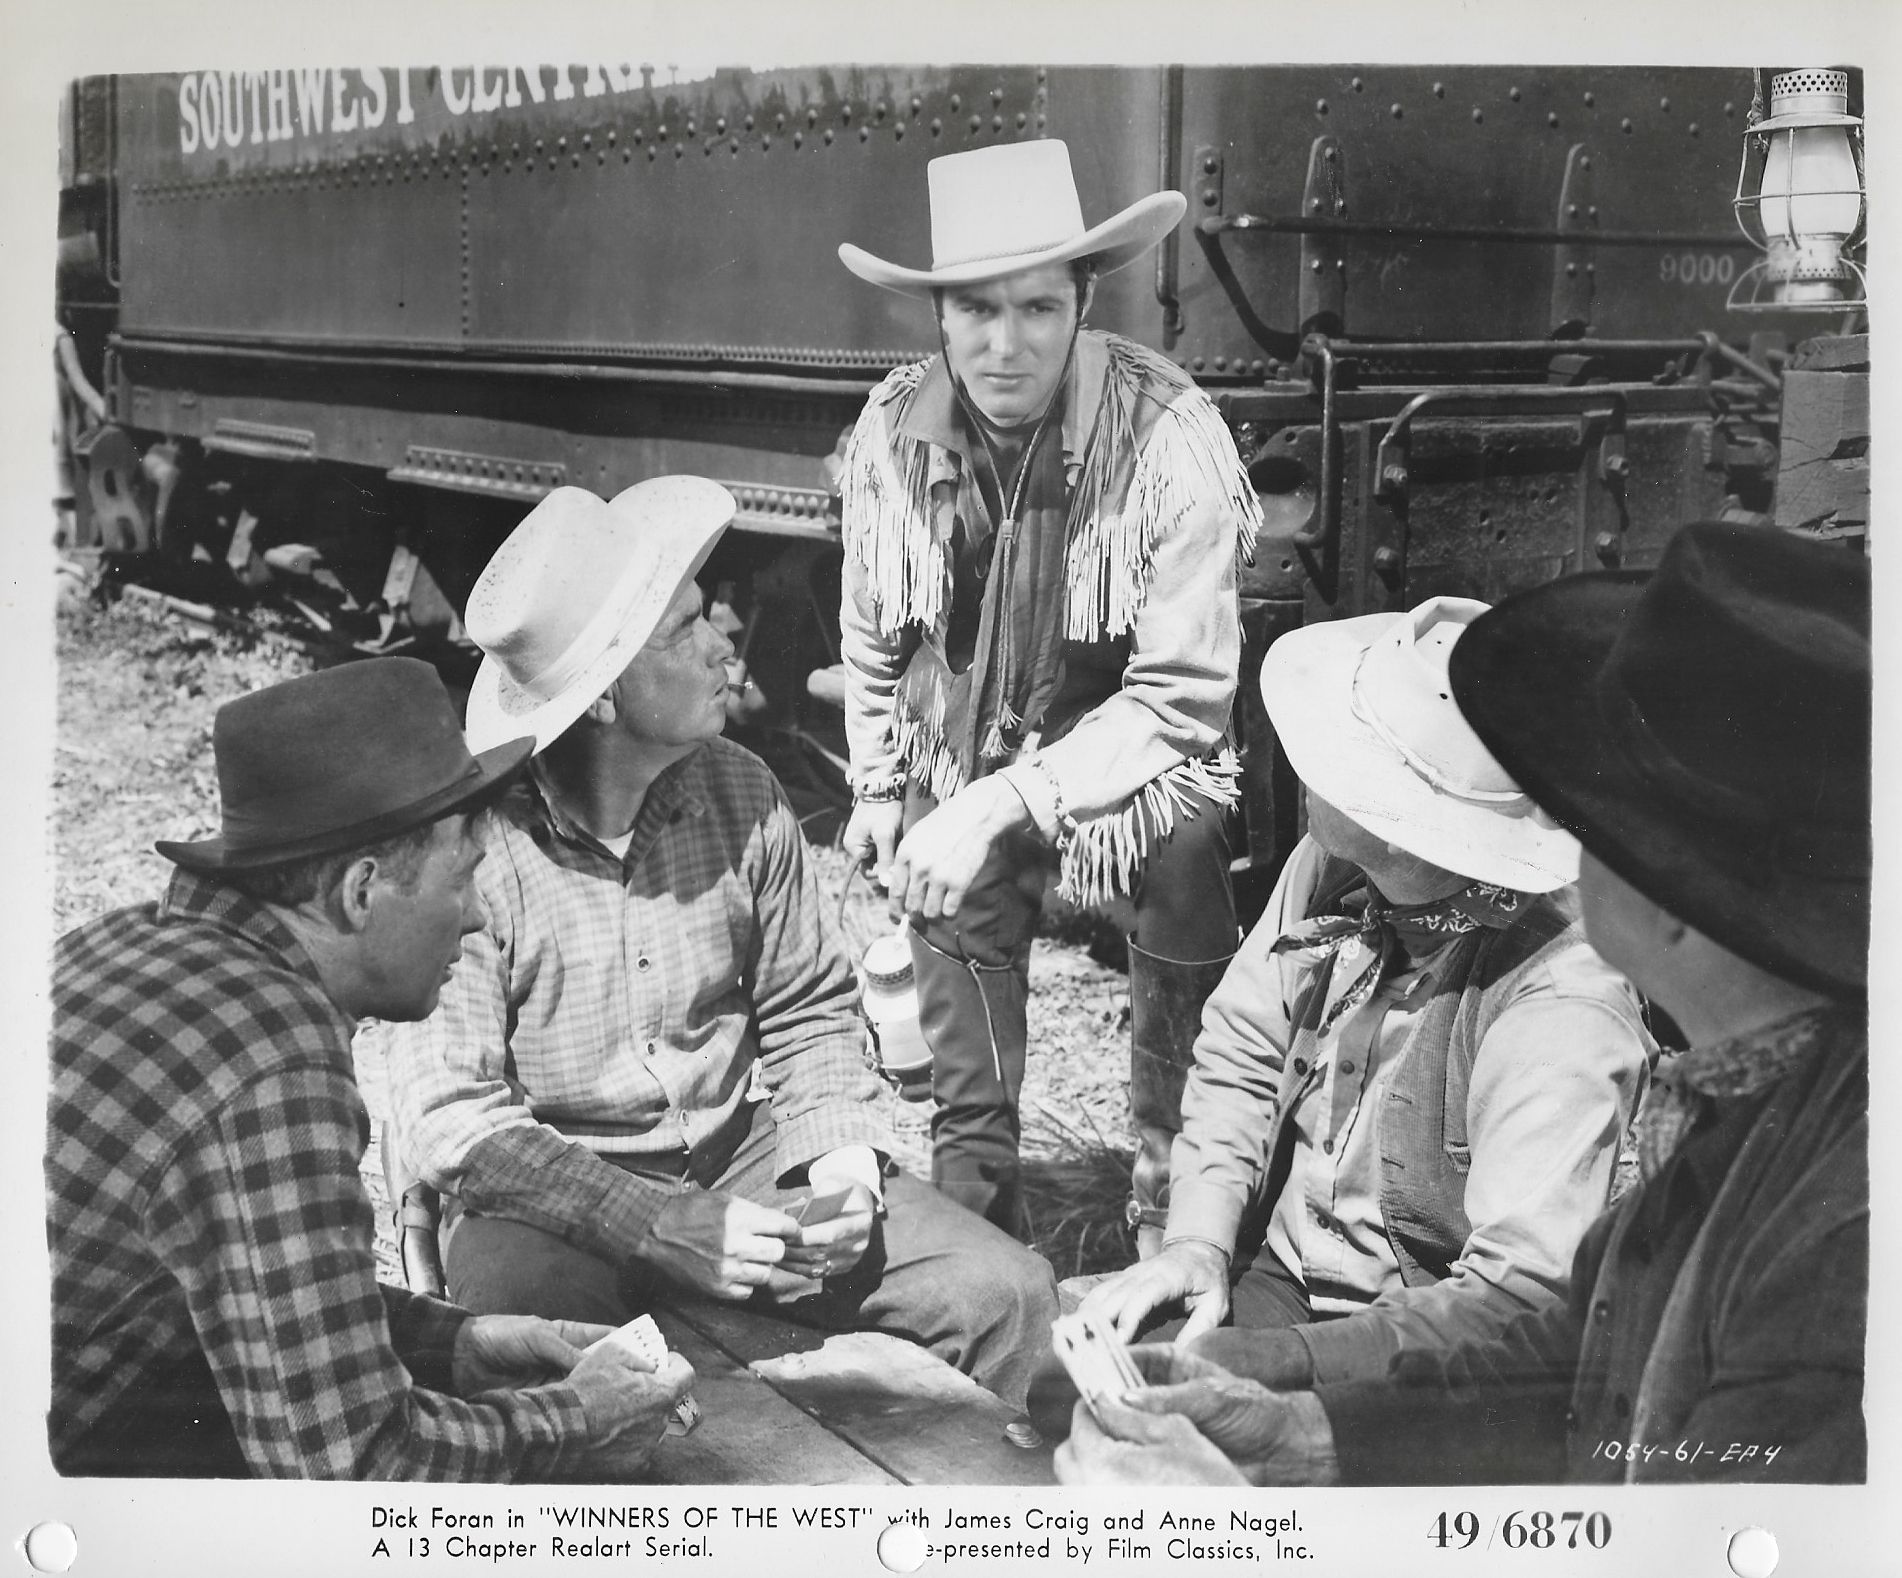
641	1338
835	1229
1096	1358
818	1208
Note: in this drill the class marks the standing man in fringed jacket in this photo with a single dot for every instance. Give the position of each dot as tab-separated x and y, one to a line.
1040	630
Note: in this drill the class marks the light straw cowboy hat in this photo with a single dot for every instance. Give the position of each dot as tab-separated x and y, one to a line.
998	211
575	592
1366	714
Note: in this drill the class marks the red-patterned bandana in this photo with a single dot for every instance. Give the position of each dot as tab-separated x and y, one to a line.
1739	1066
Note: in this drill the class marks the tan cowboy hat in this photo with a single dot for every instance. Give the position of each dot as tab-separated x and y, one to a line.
1367	717
574	593
1001	210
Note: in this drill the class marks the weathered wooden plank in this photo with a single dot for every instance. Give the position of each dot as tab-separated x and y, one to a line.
921	1420
748	1434
1840	352
1823	469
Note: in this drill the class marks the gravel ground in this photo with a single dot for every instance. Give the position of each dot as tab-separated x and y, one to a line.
132	763
137	690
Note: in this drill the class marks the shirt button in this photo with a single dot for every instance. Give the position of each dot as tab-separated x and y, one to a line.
641	963
652	1048
1300	1065
1328	1146
1601	1311
1347	1068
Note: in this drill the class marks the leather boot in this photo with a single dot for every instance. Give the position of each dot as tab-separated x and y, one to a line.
1165	1015
973	1019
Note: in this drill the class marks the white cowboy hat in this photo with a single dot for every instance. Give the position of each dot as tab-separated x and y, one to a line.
574	593
1365	713
998	211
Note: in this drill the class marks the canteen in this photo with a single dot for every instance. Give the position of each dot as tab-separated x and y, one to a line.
891	1008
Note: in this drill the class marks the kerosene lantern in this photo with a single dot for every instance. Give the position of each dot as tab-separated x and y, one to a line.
1800	199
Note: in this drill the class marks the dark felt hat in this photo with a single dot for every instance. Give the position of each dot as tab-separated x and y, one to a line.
1704	731
338	759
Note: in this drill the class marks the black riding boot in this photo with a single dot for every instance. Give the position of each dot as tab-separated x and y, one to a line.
973	1019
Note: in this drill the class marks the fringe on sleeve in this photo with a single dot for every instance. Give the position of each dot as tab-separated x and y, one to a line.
1107	853
1189	456
886	524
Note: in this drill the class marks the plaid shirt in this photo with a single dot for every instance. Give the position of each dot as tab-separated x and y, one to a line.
630	1007
211	1239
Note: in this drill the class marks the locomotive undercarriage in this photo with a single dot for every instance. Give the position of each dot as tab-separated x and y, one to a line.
1381	483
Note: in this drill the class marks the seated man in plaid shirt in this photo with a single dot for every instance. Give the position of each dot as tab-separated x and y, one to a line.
215	1303
651	1053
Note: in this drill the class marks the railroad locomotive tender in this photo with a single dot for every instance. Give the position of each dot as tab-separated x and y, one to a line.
330	333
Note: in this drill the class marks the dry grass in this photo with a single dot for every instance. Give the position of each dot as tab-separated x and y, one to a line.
1074	1199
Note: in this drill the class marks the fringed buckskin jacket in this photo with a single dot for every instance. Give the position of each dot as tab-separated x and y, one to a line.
1157	515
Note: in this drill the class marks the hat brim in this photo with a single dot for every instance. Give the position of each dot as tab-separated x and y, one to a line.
499	710
1115	243
1525	675
1307	684
489	774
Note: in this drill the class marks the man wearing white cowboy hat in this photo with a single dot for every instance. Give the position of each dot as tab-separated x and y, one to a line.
651	1055
1039	625
216	1310
1704	730
1410	1089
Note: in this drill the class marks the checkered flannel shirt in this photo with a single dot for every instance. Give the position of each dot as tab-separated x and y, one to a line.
631	1006
204	1135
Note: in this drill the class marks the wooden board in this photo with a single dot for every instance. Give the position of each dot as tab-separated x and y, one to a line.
1823	469
908	1412
748	1434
